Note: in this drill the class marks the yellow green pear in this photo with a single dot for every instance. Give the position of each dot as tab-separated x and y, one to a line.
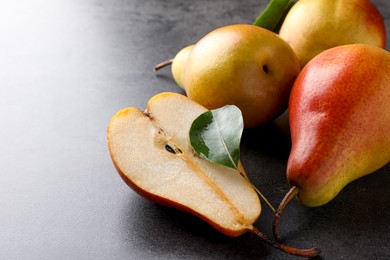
243	65
178	65
312	26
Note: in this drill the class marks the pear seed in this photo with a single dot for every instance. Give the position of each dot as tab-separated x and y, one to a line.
169	149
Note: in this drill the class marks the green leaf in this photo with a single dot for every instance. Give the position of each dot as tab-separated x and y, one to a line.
216	135
273	15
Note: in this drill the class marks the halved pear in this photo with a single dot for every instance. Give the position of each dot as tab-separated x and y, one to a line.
151	151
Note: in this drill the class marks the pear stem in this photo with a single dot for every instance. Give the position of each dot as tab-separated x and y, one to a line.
290	195
308	253
259	192
163	64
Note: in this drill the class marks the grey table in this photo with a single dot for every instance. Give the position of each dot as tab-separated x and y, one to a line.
66	66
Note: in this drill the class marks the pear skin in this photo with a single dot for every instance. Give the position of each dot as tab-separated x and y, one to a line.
339	116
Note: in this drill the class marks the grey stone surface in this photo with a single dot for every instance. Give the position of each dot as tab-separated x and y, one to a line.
66	67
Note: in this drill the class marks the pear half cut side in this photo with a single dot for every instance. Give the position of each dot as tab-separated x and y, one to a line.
151	151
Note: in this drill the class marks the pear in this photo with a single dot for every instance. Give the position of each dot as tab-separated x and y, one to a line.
243	65
151	151
174	174
340	122
312	26
179	64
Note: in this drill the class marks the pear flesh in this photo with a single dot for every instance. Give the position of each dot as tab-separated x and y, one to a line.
152	153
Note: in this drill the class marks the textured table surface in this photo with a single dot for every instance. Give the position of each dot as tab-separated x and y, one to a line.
66	66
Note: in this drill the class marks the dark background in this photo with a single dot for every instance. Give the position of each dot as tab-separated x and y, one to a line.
66	66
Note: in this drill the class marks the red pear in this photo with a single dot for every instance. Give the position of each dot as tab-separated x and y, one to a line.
339	112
